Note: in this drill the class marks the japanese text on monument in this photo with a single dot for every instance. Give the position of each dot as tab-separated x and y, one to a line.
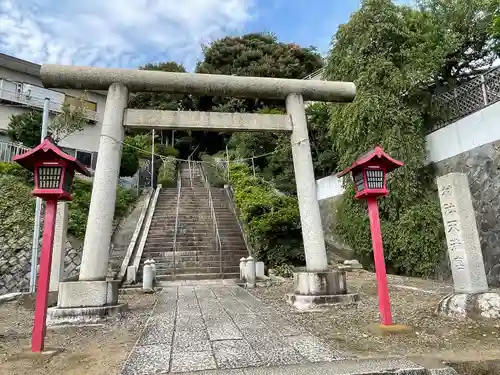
452	227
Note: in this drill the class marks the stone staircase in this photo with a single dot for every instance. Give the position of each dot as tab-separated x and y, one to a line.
196	254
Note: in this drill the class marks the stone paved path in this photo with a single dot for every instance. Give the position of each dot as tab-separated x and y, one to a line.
206	327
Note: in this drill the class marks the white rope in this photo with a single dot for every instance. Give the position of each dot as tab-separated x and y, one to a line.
163	158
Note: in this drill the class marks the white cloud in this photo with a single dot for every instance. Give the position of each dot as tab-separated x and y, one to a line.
119	33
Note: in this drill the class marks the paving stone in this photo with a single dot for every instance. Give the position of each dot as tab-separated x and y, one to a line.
282	356
234	354
159	330
262	339
191	340
313	349
280	325
231	304
148	360
192	361
222	329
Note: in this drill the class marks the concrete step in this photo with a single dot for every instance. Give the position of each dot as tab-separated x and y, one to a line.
192	253
227	257
197	269
204	276
193	263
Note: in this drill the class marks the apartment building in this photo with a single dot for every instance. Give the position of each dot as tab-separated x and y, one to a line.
21	91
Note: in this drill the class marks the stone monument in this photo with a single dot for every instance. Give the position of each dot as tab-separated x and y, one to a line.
471	297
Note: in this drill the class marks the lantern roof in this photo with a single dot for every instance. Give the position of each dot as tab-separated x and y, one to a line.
47	150
377	156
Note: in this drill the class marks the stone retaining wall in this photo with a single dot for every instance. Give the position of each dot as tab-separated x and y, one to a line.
15	262
482	166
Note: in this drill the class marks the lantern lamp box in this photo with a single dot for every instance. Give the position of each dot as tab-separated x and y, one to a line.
370	173
53	169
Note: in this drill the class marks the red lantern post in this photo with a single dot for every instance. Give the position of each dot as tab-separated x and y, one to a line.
370	180
54	171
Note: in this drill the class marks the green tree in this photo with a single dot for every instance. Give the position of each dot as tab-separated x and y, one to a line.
255	55
397	55
26	128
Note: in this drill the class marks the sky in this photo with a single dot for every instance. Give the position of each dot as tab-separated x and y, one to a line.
130	33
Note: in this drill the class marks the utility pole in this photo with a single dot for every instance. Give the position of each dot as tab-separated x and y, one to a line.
152	159
38	206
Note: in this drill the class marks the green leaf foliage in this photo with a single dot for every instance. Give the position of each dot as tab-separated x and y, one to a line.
398	56
216	177
167	174
17	205
26	128
271	220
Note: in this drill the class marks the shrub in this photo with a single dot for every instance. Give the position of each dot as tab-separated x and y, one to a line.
413	242
214	175
129	162
167	175
165	150
17	184
272	221
79	206
14	169
283	270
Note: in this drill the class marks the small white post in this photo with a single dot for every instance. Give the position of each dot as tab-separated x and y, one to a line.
250	272
243	264
152	263
147	277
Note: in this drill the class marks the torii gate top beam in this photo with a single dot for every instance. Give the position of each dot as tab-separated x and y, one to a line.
90	78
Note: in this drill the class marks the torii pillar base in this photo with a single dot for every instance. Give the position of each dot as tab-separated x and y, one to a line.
317	291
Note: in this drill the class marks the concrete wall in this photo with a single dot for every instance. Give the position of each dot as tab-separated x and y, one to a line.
86	140
327	187
478	129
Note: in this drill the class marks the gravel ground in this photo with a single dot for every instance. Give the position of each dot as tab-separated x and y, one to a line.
99	350
413	303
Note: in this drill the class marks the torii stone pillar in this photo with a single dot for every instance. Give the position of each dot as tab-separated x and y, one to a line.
310	218
102	205
314	288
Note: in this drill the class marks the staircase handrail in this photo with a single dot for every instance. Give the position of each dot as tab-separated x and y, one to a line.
179	185
215	225
190	160
230	194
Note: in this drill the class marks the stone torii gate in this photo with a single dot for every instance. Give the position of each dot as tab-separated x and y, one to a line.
120	82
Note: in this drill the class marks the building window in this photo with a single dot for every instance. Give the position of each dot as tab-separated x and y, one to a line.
84	157
74	101
88	159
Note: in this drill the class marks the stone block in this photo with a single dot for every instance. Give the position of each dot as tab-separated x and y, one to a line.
476	306
87	294
462	237
320	283
131	275
83	315
316	291
259	270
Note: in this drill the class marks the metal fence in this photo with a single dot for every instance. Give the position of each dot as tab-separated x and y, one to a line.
9	149
466	99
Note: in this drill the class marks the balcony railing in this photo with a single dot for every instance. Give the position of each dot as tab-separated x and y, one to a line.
34	100
466	99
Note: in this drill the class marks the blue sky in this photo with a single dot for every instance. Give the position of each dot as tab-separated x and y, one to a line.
128	33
